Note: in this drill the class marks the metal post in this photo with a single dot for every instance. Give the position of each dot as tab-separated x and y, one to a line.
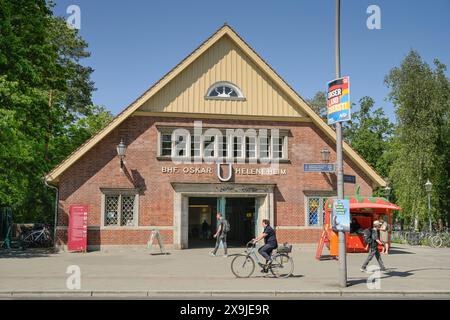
429	211
339	157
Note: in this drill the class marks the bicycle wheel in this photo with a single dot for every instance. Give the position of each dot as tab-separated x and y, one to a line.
282	265
25	240
242	266
436	242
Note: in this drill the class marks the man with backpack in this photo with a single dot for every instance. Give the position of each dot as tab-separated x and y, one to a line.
221	234
372	240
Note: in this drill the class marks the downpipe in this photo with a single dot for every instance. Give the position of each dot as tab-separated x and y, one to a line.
56	210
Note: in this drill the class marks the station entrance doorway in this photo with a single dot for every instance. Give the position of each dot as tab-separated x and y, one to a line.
239	211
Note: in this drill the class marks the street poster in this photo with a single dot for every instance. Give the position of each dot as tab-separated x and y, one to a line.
77	233
341	215
338	100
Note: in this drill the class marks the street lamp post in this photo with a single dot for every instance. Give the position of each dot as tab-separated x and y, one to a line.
342	246
428	188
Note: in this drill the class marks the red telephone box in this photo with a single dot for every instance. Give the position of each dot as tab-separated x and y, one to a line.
77	233
365	210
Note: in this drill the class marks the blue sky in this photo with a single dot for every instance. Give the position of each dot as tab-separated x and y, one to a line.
134	43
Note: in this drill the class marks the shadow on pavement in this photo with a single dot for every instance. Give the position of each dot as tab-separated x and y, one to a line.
17	253
399	251
262	276
327	257
391	272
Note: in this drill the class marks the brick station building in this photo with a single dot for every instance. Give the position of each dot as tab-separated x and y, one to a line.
177	132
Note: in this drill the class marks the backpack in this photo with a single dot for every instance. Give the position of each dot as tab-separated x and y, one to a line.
367	233
226	226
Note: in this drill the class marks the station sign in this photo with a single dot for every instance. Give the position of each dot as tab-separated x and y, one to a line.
318	167
338	100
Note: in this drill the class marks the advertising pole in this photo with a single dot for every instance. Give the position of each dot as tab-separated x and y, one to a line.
339	159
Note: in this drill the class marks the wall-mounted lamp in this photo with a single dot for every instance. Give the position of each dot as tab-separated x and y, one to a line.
325	155
121	150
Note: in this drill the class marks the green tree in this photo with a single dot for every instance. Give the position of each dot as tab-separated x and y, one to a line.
319	104
45	100
421	97
369	133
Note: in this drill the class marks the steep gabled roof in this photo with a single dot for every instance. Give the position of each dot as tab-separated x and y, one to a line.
226	30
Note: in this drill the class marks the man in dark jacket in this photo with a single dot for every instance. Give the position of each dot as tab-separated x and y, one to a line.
270	243
373	248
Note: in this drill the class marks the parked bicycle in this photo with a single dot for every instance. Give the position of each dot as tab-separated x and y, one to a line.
282	266
440	240
36	238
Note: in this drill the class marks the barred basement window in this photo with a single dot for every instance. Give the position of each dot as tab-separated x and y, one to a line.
120	208
315	207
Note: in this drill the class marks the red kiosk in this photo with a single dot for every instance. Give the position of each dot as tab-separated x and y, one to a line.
365	210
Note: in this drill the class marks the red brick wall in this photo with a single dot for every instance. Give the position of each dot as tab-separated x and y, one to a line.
99	168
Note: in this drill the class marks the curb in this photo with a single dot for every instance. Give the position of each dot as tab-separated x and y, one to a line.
221	294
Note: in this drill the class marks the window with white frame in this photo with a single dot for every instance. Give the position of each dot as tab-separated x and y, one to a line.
315	210
264	147
166	144
223	146
209	146
224	90
238	146
120	208
196	146
250	147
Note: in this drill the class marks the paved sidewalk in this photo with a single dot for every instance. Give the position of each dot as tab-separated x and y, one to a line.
412	272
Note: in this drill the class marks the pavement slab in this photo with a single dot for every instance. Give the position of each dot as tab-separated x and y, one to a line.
412	272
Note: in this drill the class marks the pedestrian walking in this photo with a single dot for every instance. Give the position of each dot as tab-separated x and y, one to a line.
221	235
372	242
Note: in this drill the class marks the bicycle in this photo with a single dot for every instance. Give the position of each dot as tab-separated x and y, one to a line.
282	265
39	237
441	239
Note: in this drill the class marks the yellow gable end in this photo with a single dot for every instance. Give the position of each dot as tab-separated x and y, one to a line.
223	61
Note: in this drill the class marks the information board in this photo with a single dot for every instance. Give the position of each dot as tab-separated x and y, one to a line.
341	215
77	233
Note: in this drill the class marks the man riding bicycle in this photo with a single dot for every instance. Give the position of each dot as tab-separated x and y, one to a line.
270	243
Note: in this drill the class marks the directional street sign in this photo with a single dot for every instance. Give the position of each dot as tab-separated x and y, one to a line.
318	167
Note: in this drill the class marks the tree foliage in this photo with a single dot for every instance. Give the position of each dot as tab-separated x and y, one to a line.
45	103
319	104
420	150
369	133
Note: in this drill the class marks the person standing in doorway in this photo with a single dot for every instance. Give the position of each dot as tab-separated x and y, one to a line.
373	243
205	229
221	235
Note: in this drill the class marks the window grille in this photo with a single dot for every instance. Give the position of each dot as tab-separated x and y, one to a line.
315	211
120	210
